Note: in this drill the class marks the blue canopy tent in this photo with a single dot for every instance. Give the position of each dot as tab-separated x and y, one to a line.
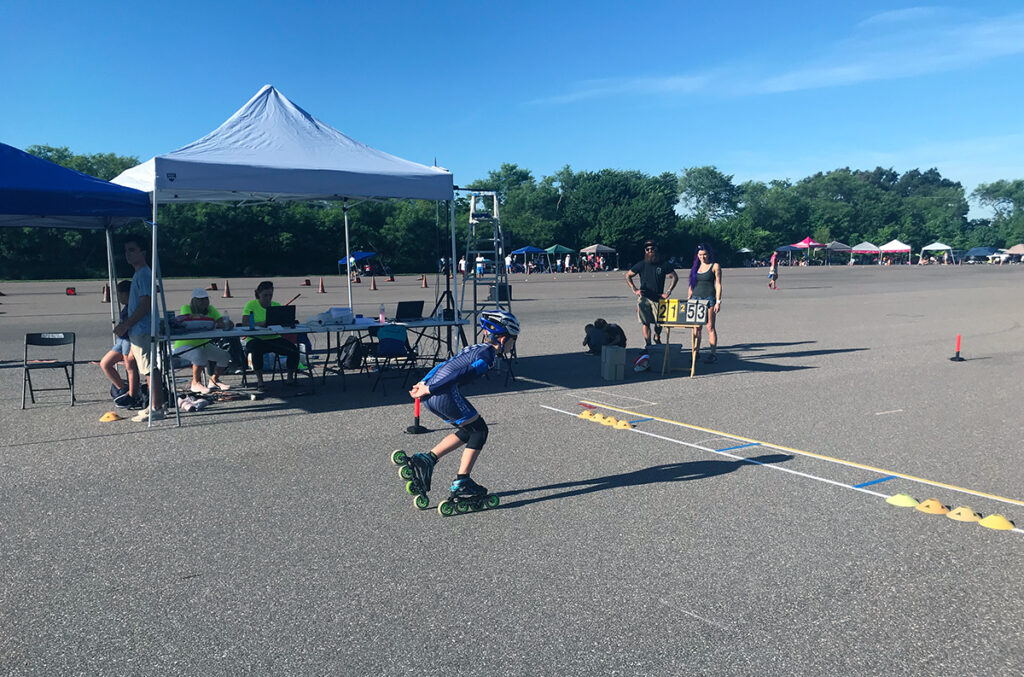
36	193
789	248
981	252
529	249
355	258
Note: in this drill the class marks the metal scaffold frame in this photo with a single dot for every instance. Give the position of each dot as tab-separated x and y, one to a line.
484	240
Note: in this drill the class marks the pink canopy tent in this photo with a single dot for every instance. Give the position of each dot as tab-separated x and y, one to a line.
807	243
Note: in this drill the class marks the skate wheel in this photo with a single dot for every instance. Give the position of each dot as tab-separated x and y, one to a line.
446	508
491	501
406	472
412	488
421	502
462	508
399	457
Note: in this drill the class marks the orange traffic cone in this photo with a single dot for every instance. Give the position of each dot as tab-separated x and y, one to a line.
227	290
306	283
424	285
106	293
321	289
373	283
212	287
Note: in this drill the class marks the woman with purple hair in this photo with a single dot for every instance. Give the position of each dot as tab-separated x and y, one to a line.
706	284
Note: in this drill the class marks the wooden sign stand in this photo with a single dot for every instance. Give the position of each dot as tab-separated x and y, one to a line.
695	314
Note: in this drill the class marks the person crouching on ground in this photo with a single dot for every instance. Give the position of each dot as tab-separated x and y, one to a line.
201	352
653	273
439	392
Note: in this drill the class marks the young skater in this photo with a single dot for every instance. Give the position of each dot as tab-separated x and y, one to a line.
773	271
439	391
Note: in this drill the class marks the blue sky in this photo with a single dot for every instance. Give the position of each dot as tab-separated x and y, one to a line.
760	90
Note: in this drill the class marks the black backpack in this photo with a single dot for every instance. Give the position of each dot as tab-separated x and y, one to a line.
351	355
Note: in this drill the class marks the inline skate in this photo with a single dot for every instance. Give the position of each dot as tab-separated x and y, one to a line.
467	495
416	470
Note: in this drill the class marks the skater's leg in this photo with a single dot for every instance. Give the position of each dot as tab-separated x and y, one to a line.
469	457
107	366
450	443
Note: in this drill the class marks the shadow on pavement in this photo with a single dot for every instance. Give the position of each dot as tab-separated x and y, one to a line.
672	472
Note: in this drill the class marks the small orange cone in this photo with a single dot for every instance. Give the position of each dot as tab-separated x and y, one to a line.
373	283
106	293
321	289
424	285
227	290
212	287
306	283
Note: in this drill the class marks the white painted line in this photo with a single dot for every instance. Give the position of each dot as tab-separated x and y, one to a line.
891	411
624	397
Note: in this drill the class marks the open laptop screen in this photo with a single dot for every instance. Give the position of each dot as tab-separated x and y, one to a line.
281	316
409	310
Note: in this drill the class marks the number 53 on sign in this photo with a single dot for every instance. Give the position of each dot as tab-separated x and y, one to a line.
677	311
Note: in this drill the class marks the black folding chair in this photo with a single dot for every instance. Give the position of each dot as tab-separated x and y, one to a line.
48	340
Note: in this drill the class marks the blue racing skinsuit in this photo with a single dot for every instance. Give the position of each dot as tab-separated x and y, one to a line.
444	380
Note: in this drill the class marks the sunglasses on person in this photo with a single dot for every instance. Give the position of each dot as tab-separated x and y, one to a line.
650	249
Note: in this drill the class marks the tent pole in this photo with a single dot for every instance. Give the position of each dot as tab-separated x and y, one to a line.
454	268
154	381
111	275
348	258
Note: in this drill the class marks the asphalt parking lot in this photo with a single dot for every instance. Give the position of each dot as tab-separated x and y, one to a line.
274	536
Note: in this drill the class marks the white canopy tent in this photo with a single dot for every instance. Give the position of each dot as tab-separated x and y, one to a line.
935	247
864	247
895	247
273	150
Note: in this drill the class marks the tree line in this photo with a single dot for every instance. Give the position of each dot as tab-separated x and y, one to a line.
618	208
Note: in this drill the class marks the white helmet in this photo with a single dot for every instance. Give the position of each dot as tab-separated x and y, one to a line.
499	323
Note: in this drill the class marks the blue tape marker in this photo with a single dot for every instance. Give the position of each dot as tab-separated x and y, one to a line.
868	484
640	420
742	446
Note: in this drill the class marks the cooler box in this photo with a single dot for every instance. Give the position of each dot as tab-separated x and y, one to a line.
613	363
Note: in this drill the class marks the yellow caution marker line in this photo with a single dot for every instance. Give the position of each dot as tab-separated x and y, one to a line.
811	454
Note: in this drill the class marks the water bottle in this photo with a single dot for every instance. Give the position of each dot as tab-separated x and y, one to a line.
252	320
227	320
381	317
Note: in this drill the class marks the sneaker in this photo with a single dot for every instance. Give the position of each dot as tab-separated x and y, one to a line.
143	415
116	392
467	488
124	401
219	385
199	388
423	468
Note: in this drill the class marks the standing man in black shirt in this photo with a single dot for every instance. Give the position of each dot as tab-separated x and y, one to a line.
653	273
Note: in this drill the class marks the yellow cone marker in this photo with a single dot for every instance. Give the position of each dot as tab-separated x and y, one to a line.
996	522
586	413
623	425
902	501
609	420
597	417
932	506
110	416
963	514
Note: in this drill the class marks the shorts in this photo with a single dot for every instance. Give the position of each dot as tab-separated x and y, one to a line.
140	351
202	355
773	276
123	346
647	311
450	405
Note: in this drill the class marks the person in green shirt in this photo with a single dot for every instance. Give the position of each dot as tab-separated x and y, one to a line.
201	352
258	346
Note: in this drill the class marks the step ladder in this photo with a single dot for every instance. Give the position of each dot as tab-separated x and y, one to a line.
486	280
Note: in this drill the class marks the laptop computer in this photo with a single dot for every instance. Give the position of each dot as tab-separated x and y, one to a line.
408	311
281	316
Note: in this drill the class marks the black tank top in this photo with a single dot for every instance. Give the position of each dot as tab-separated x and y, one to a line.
704	287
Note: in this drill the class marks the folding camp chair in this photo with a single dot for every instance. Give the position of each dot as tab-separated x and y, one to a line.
392	351
48	340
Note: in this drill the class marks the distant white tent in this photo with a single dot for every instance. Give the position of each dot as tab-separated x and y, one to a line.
864	248
896	247
935	247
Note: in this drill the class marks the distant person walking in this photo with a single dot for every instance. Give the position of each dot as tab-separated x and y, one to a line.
653	273
773	271
706	284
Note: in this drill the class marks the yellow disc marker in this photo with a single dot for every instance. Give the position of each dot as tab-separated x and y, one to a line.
623	424
599	418
609	420
932	506
996	522
110	416
902	501
963	514
586	413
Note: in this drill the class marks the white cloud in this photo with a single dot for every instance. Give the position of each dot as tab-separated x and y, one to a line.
899	44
